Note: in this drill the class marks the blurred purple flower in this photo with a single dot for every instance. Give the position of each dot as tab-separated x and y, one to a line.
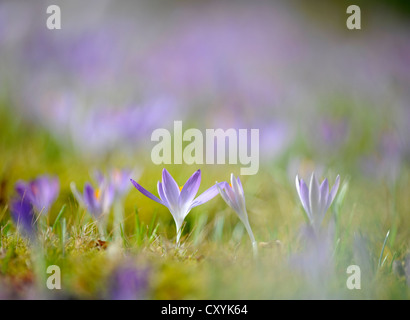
109	129
179	200
333	132
316	199
97	201
385	162
275	138
235	198
314	261
128	283
23	215
119	179
40	192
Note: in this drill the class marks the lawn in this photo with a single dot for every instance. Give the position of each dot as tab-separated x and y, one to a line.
77	114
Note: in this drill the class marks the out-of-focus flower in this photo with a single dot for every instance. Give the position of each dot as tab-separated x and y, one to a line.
332	132
113	129
235	198
128	283
40	192
97	201
275	139
315	260
119	181
316	199
118	178
386	161
179	200
23	215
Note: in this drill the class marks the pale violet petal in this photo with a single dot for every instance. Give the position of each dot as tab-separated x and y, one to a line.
190	189
324	194
162	194
240	197
304	198
146	192
205	196
171	189
314	197
333	192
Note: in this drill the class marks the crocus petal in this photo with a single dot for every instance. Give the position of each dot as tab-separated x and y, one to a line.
190	189
333	192
324	192
205	196
240	197
55	190
240	184
99	177
297	183
303	192
90	201
314	197
162	194
44	191
23	215
120	178
146	192
77	194
171	189
21	188
108	194
231	194
221	188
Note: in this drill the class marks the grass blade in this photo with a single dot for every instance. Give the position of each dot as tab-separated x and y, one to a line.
384	245
59	216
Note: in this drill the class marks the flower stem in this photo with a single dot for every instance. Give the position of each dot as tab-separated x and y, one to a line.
118	218
179	232
254	243
101	228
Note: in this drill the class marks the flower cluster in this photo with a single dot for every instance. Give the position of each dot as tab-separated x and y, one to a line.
36	197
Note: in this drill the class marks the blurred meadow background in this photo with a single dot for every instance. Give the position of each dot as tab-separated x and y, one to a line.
80	103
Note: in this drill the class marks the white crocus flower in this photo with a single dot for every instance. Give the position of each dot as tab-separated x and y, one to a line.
316	199
235	198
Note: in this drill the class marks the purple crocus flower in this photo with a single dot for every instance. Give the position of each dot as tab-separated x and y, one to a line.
235	198
23	215
316	199
179	200
97	201
118	178
40	192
